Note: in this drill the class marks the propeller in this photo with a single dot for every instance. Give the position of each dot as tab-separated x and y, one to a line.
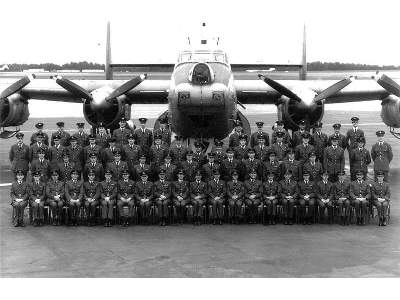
387	83
127	86
279	88
333	89
17	86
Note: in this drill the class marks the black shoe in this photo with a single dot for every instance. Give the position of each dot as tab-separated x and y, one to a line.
290	222
273	221
16	224
220	221
109	223
21	223
214	222
384	223
286	221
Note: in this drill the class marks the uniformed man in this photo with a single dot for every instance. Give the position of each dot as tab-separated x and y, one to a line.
73	197
121	134
41	165
303	150
178	151
251	163
360	194
198	196
102	136
190	167
19	197
320	141
208	168
34	149
107	154
340	137
55	152
313	167
164	132
261	149
162	196
241	151
291	164
289	193
91	148
380	194
382	155
95	166
353	134
140	168
333	159
169	169
66	167
131	153
279	147
359	159
19	155
157	152
76	153
306	199
91	195
81	135
219	154
279	128
271	194
144	136
342	198
127	192
216	194
234	136
117	166
180	195
259	132
64	136
108	195
37	197
253	196
297	138
325	195
55	190
45	139
198	156
229	164
235	196
272	166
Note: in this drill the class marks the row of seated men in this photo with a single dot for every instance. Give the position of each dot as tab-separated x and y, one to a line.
243	199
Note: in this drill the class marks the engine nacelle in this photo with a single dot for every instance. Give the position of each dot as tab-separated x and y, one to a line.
13	110
390	112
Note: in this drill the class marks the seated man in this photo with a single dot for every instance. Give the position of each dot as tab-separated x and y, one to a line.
162	196
126	197
360	195
380	191
73	196
198	194
289	193
19	197
180	195
235	193
216	193
91	195
37	194
253	195
342	198
271	192
144	196
55	197
108	195
306	199
325	194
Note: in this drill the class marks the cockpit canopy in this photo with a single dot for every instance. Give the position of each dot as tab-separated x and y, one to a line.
203	56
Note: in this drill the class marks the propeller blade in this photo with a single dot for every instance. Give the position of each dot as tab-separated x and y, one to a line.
127	86
72	87
17	86
333	89
279	88
387	83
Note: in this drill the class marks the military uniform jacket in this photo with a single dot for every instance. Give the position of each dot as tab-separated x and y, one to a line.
121	135
37	191
228	166
341	189
96	149
107	154
235	188
271	189
248	165
144	137
190	169
91	190
82	138
306	188
170	172
19	157
55	154
157	154
254	138
286	138
73	190
234	139
294	166
360	159
97	169
138	169
102	140
180	189
216	189
65	170
302	152
162	188
126	189
219	157
288	188
208	170
198	188
280	150
199	158
297	139
33	154
165	136
315	170
358	189
76	155
178	154
274	167
19	190
45	138
381	190
43	167
253	187
320	142
108	189
333	159
64	140
241	152
54	188
261	153
352	136
324	190
117	168
131	154
341	140
382	155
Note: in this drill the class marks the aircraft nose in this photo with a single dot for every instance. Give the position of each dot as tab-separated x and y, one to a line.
201	74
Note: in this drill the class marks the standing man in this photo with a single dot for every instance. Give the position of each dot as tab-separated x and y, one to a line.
39	145
64	136
219	154
235	193
198	195
279	128
261	149
340	137
162	196
157	152
81	136
380	193
297	135
208	168
164	132
242	149
279	147
131	153
198	156
313	167
216	193
190	167
121	134
45	139
91	148
352	136
42	166
66	167
108	195
107	154
140	168
144	136
304	149
259	132
55	196
333	159
360	194
178	151
253	195
251	163
229	164
93	166
102	136
382	155
76	153
320	141
359	159
272	166
55	152
234	136
117	166
19	197
291	164
19	156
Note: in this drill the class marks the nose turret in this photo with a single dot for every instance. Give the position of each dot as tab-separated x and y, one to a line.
201	73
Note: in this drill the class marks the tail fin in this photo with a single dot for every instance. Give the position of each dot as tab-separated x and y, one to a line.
108	70
303	69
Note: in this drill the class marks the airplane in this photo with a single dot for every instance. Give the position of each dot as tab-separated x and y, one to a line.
202	95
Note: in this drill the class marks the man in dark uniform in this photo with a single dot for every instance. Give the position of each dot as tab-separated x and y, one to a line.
382	155
325	195
303	150
127	192
91	148
144	136
180	196
333	159
198	196
37	197
208	168
216	194
242	149
190	167
360	194
291	164
42	166
19	197
81	135
198	156
259	132
66	167
121	134
229	164
55	152
162	196
91	195
253	196
320	141
234	136
95	166
169	169
235	194
219	154
19	155
39	127
76	153
286	135
251	163
313	167
107	154
359	159
157	152
131	153
33	150
342	198
272	166
108	195
102	136
73	197
306	198
64	136
117	166
340	137
353	134
271	194
261	149
164	131
178	151
289	193
297	138
380	196
140	168
55	197
279	147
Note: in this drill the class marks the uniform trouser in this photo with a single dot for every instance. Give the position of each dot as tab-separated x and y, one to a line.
107	209
385	174
382	208
217	209
239	208
288	207
233	209
73	208
271	206
252	206
144	208
303	203
343	204
360	207
322	205
198	207
37	210
19	209
180	207
90	208
162	207
56	207
130	204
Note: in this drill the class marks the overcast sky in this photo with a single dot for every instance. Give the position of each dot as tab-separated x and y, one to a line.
154	31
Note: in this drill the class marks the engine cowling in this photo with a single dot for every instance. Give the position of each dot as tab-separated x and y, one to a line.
390	112
14	110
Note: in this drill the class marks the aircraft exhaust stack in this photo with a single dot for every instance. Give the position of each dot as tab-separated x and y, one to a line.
303	69
108	69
